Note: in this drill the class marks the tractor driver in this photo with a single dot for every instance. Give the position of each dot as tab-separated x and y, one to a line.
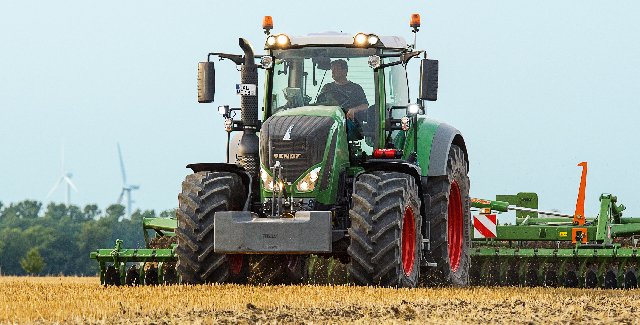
346	94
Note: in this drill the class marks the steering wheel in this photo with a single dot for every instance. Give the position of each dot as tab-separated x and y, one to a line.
333	96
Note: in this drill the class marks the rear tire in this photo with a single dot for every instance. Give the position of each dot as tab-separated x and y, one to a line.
385	233
204	194
448	209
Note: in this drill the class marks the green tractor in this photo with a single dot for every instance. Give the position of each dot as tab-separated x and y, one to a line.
342	164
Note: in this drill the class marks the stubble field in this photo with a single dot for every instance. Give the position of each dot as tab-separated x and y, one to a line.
83	300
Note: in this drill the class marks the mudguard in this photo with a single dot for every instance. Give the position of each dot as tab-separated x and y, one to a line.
246	178
434	141
444	137
394	165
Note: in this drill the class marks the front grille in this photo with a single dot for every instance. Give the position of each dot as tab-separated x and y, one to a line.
298	157
304	148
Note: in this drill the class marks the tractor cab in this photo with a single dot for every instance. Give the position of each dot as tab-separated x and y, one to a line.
328	98
301	73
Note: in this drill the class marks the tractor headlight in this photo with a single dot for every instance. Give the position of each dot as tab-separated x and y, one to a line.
308	182
267	180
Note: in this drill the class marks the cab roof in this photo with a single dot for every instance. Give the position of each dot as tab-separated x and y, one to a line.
336	38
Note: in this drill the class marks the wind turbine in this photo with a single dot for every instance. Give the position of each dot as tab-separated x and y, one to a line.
126	188
65	178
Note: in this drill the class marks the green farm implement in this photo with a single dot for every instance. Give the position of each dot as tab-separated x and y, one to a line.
554	249
154	264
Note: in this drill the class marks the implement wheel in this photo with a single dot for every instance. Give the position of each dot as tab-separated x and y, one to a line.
448	212
203	194
386	241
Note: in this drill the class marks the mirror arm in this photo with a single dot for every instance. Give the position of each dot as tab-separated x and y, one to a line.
238	59
390	64
410	55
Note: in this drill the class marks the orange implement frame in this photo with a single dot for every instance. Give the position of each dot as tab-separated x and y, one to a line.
578	216
579	234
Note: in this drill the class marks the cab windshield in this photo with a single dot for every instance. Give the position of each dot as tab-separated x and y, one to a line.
299	76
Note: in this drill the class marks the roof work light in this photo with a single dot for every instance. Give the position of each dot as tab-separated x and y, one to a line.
278	41
363	40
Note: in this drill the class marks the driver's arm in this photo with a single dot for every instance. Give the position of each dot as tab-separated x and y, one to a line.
359	98
351	112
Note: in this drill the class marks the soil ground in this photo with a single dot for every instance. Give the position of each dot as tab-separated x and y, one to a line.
83	300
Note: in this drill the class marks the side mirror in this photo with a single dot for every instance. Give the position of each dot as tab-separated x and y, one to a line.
429	80
206	82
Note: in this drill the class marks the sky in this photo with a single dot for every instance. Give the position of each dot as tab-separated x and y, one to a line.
535	87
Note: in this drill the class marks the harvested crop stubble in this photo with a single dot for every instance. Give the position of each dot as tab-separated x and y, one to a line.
83	300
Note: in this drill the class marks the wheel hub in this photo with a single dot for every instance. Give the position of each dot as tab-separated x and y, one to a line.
235	263
454	227
408	241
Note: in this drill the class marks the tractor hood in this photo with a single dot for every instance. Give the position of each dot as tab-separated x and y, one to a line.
302	139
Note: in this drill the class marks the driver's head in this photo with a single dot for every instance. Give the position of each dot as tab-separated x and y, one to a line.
339	70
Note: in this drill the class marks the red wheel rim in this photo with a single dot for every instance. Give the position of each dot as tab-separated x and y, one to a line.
454	228
408	241
235	263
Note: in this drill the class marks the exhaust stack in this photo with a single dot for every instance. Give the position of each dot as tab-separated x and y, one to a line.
248	156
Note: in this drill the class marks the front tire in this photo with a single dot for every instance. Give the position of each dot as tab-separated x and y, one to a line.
448	209
386	240
204	194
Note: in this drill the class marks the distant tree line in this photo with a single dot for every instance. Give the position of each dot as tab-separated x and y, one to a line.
59	239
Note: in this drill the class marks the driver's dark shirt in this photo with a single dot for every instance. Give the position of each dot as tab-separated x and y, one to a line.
346	96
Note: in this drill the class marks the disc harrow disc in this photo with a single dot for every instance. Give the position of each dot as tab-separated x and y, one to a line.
590	279
151	276
630	279
531	277
610	279
571	279
512	277
133	276
111	276
551	279
170	275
